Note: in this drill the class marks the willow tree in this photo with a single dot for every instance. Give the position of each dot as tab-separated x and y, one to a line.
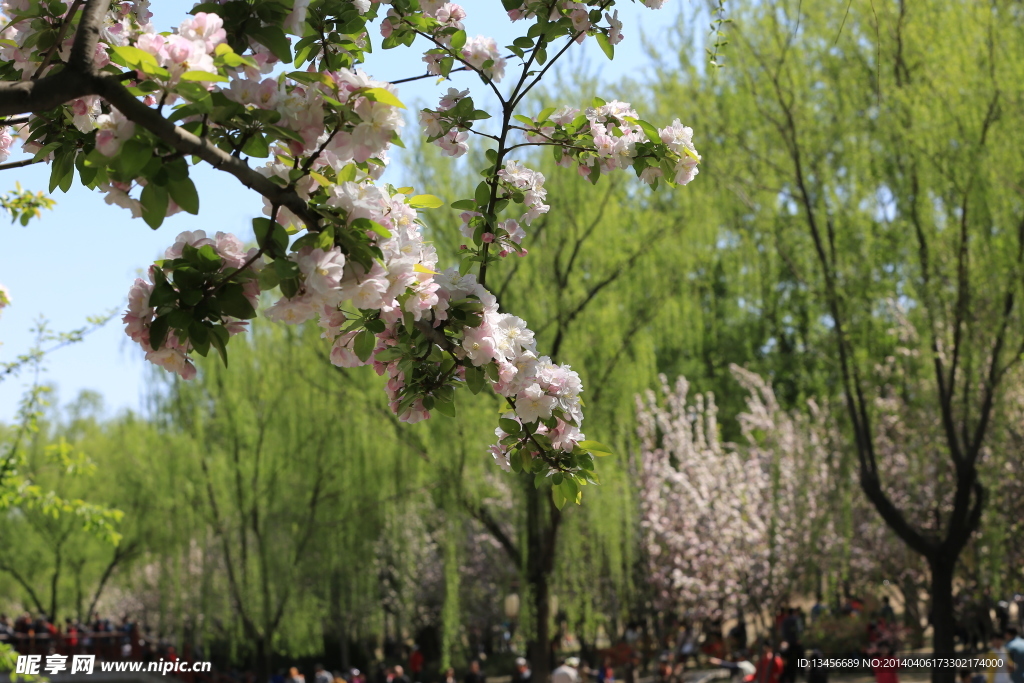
872	152
606	279
291	512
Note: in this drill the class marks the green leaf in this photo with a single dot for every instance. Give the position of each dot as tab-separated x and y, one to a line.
482	195
509	426
219	340
595	447
133	57
558	497
458	40
61	163
492	372
539	478
515	460
232	301
445	408
347	174
383	96
606	46
154	204
184	194
371	226
651	132
474	378
274	39
133	157
158	332
569	488
464	205
203	76
285	268
272	239
364	344
268	279
425	201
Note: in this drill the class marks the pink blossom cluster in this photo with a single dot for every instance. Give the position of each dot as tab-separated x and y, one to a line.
173	353
447	14
615	136
482	54
579	14
405	282
122	23
6	140
443	129
537	386
531	184
190	49
726	523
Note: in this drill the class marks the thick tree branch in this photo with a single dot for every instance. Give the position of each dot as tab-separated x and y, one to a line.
187	143
79	79
46	93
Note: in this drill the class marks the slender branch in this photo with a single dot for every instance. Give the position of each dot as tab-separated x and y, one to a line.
24	584
484	516
20	164
122	552
60	38
429	75
455	55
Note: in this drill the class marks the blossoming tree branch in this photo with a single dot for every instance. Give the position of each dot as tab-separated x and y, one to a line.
270	92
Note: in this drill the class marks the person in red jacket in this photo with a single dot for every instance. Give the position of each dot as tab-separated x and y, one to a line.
769	666
415	663
886	664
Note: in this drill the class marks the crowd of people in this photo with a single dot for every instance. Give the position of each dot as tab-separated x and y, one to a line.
569	670
779	658
106	638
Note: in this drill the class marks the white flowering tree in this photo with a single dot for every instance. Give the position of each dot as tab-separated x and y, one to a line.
272	93
732	525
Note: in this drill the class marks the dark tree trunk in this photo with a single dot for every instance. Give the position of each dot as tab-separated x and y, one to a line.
263	660
541	655
541	535
943	623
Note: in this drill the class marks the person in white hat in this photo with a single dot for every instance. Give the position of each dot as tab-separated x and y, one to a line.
567	672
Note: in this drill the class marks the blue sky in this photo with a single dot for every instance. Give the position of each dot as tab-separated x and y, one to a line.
81	258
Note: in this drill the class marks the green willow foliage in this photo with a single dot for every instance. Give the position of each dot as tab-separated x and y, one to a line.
895	129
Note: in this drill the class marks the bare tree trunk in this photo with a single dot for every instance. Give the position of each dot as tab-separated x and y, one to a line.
541	536
943	623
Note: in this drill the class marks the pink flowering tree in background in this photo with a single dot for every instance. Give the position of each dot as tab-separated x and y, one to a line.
728	526
272	93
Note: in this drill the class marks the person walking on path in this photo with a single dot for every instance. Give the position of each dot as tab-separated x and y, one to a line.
567	672
320	675
998	674
1015	653
769	666
416	663
474	675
